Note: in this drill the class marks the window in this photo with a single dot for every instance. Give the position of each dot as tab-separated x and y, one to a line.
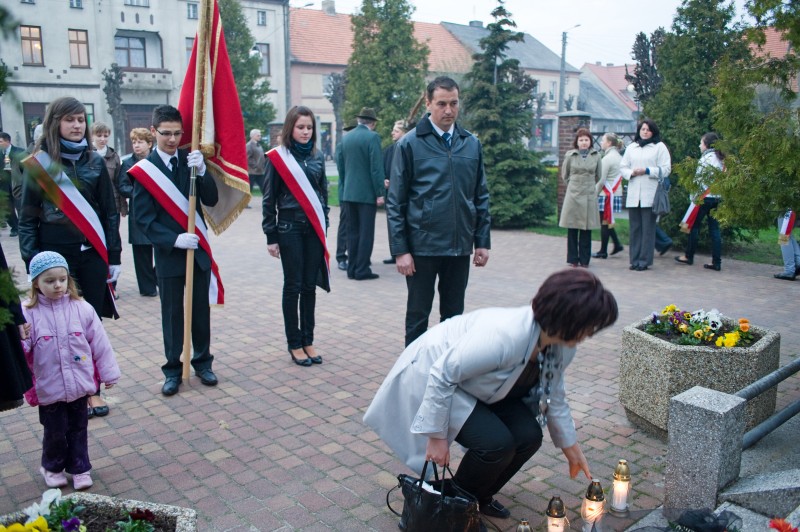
129	52
551	94
191	10
189	46
140	3
89	114
31	37
263	69
261	18
76	4
79	48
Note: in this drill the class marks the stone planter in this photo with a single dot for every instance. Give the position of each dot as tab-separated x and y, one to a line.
185	519
653	370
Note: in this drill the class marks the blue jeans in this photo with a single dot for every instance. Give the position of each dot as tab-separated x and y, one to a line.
301	255
713	230
791	254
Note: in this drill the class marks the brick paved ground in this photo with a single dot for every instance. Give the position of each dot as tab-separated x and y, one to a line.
281	447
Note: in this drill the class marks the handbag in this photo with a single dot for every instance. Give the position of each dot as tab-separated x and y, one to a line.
438	506
661	198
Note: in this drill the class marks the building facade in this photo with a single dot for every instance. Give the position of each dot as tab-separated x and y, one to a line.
62	48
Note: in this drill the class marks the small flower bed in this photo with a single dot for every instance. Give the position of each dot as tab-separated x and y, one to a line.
55	514
699	328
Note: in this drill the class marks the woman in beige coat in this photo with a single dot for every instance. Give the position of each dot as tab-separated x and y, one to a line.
581	171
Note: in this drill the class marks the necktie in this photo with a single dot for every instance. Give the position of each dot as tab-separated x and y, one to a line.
173	162
446	136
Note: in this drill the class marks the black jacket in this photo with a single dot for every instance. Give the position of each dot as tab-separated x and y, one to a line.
42	223
438	201
278	200
135	235
161	228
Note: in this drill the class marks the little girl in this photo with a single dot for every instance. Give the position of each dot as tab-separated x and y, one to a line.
66	335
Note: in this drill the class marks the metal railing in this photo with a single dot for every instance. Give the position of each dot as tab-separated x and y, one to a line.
763	384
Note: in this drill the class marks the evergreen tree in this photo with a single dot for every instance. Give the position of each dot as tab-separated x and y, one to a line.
387	68
756	113
646	79
335	87
257	110
499	107
7	27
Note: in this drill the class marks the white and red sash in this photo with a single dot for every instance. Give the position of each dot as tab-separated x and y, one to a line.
608	207
785	227
303	191
691	213
177	205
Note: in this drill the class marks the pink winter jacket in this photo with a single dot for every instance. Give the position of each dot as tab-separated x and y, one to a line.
66	336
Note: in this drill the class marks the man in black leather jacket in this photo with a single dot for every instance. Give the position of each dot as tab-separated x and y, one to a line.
438	209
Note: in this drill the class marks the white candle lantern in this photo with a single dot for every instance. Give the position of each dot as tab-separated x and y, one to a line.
621	489
593	507
556	515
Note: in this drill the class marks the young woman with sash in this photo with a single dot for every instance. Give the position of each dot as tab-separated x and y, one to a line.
68	207
295	210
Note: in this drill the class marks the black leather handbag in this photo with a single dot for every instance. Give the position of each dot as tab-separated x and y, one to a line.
448	508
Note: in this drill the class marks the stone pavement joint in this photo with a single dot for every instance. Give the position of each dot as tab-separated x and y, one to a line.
276	446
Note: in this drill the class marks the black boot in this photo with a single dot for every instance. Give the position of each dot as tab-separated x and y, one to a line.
602	254
617	244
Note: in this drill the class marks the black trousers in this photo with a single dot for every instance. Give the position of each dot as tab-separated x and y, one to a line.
642	235
65	442
341	236
171	290
453	273
360	237
256	179
13	203
500	438
579	246
301	254
145	271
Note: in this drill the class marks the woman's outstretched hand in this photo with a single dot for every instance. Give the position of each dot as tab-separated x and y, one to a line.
438	450
577	462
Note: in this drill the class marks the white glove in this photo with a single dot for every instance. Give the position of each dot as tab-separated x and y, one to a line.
187	241
195	159
113	272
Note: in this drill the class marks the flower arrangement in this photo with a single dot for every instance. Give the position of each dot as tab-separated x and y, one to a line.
781	525
55	514
698	328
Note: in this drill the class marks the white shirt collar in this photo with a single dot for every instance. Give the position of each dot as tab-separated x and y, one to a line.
165	157
439	130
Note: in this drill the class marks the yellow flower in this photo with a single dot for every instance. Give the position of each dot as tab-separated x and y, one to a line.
707	328
698	334
683	328
669	309
719	341
39	525
687	315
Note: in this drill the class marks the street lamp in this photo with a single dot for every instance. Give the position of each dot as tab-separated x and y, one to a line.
632	90
563	67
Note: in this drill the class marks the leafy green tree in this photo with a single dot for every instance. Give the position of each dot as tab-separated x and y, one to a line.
257	110
756	113
646	79
7	27
387	68
499	108
113	91
335	87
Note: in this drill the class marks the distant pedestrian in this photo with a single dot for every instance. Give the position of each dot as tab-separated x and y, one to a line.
438	209
646	160
142	142
400	128
702	205
341	232
610	197
295	209
360	164
65	344
256	162
790	249
582	170
11	179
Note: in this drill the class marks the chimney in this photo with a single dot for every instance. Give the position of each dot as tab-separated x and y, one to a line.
598	63
609	64
329	7
475	24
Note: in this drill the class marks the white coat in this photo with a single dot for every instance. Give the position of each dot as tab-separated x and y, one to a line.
654	157
438	379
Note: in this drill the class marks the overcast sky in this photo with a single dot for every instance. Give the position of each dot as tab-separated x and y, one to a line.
606	32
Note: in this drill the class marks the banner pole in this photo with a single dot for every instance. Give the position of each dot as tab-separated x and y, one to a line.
198	119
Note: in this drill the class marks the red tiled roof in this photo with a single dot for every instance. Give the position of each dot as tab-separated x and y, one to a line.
775	47
614	78
319	38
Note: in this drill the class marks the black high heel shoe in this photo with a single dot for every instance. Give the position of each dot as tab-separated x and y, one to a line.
314	360
304	362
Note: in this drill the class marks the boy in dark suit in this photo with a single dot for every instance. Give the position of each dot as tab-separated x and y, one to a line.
170	242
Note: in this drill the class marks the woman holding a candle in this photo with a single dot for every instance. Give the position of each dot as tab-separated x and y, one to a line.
491	380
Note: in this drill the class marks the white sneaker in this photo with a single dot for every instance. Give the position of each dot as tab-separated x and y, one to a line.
81	481
53	480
